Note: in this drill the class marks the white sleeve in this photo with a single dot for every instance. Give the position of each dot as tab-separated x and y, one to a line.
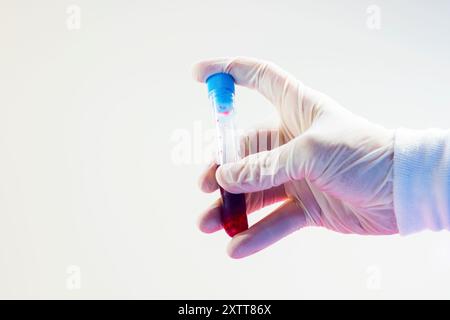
422	180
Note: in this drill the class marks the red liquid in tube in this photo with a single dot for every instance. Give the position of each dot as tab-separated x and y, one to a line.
221	94
233	212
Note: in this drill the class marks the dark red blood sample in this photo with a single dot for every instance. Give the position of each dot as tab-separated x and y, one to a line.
233	212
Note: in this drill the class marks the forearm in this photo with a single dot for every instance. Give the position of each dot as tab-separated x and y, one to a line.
422	180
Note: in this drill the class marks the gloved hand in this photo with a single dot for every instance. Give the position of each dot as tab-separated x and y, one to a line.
332	169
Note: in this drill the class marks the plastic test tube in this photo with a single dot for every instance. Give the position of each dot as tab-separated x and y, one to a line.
221	94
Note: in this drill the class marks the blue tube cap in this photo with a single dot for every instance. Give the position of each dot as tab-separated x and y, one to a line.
222	86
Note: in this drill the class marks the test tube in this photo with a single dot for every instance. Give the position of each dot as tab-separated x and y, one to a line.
221	94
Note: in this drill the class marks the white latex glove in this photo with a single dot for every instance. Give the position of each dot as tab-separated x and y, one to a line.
333	168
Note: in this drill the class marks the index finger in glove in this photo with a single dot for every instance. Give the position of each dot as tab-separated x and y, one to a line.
271	81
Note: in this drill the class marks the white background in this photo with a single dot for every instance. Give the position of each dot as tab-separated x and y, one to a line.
88	126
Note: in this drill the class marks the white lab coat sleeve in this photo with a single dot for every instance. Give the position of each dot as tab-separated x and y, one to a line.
422	180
